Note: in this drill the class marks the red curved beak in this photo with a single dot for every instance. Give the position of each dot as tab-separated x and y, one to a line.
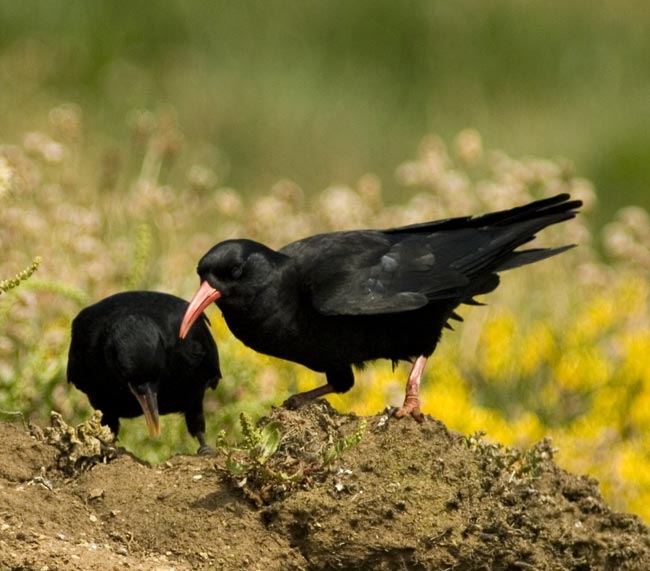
149	403
202	298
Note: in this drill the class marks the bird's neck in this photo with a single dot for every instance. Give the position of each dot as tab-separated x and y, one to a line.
266	311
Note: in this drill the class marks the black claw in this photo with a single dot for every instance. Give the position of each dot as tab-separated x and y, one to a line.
205	450
292	403
391	410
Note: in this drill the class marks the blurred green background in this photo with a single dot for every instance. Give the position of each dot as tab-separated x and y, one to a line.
135	135
323	92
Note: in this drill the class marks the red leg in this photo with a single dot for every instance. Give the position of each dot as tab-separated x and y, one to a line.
412	399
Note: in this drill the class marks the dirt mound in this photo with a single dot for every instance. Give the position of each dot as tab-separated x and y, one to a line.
308	490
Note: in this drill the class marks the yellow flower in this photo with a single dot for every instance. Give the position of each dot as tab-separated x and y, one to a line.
636	352
632	295
582	368
635	473
498	346
595	319
639	413
537	347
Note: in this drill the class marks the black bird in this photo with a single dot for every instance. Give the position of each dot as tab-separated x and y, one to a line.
126	356
339	299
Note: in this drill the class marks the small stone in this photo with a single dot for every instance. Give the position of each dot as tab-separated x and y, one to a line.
95	494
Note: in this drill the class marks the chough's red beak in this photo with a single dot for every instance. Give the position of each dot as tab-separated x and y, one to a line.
202	298
149	403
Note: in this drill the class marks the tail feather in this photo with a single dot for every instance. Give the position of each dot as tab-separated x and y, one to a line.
558	205
518	259
512	229
478	248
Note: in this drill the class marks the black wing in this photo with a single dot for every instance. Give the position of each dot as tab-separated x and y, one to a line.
369	272
85	352
401	269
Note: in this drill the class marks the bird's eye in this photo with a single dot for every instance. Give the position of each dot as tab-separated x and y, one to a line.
236	271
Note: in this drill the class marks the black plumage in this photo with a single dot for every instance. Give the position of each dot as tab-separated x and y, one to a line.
125	354
339	299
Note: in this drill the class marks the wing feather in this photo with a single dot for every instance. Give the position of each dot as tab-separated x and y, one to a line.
370	272
400	269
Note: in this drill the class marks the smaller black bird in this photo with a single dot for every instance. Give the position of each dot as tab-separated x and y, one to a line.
126	356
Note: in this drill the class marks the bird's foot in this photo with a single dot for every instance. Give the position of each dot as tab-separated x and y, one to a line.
295	401
411	406
205	450
412	398
299	399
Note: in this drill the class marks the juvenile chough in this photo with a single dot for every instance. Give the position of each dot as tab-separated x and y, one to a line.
125	354
339	299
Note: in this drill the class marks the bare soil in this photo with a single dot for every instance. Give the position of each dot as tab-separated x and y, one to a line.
407	496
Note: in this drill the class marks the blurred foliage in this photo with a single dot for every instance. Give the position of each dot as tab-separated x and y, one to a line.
561	349
193	122
323	92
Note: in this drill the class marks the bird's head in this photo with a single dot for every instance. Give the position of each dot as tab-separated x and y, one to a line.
231	273
136	354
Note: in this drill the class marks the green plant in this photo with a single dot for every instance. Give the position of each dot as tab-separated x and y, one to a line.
518	463
256	447
265	471
344	444
141	256
7	285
